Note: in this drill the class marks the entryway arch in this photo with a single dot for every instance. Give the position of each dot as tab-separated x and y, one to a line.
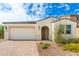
45	33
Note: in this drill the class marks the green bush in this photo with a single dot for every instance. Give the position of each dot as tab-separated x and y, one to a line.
1	31
70	41
45	45
65	41
74	40
61	41
60	38
71	47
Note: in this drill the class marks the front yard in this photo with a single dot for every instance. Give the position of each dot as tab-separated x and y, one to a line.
56	50
63	46
37	48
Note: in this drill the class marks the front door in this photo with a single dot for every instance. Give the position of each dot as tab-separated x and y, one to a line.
45	33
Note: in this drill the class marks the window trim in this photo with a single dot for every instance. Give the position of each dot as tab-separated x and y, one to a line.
68	29
65	28
5	28
77	18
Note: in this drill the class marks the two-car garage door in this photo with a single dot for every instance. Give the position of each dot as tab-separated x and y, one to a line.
22	33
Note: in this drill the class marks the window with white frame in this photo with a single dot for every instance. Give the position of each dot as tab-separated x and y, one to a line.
78	18
5	28
68	29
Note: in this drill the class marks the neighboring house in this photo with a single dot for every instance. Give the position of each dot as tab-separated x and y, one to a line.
43	29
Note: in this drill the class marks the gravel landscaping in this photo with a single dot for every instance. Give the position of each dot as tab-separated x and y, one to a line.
54	50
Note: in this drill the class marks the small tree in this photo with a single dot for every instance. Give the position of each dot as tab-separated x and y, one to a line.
59	35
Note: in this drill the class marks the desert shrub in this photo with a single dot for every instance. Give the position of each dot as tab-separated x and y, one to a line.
70	41
73	40
76	40
1	31
59	39
71	47
67	41
44	45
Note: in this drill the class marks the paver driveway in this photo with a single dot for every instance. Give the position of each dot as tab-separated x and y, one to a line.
18	48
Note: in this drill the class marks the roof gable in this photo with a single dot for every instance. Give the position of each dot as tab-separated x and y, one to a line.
65	18
51	17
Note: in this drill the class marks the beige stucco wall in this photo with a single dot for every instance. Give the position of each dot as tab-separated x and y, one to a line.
53	36
77	32
6	32
47	23
68	22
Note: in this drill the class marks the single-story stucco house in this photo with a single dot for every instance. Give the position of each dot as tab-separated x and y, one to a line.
42	29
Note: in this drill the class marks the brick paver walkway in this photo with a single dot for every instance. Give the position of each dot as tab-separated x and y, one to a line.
18	48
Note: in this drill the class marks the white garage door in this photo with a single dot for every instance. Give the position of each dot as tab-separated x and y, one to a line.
22	33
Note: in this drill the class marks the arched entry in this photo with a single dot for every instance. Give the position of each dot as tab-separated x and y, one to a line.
45	33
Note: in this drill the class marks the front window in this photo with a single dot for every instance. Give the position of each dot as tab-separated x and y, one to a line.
6	28
68	29
78	18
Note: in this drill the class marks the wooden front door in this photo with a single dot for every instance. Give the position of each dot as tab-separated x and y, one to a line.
45	33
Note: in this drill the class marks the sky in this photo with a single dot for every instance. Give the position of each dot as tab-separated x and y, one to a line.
13	12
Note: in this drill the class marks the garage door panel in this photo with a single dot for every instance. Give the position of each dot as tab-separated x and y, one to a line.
22	33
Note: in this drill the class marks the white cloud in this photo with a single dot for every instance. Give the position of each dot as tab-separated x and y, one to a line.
16	14
40	12
66	6
37	9
76	10
1	7
61	5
